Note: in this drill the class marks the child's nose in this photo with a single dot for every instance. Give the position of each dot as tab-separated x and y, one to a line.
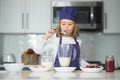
66	26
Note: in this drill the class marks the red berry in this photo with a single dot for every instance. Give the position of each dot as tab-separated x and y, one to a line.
95	66
87	66
30	51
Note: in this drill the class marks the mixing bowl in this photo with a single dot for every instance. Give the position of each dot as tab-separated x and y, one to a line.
13	67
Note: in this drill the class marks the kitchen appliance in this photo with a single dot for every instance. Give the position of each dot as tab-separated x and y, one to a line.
8	58
90	14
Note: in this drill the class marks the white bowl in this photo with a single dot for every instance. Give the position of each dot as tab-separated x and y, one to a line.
64	69
91	69
13	67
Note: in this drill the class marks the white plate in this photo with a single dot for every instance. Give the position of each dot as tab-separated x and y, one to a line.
91	69
64	69
38	68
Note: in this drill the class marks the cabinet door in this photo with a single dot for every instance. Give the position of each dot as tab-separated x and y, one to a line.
112	16
0	13
38	16
12	16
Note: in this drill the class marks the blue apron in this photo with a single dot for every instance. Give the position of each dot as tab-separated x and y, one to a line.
73	63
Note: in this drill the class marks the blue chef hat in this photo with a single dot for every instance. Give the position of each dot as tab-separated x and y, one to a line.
69	13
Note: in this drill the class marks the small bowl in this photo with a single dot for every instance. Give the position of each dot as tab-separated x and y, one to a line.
13	67
91	69
64	69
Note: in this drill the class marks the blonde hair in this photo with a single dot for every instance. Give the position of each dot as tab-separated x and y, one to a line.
74	34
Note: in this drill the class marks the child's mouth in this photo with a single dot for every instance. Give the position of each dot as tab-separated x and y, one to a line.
63	32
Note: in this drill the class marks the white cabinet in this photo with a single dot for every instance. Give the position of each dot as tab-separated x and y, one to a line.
111	16
11	15
38	12
25	16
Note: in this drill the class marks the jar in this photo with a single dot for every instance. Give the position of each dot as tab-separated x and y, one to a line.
109	63
47	61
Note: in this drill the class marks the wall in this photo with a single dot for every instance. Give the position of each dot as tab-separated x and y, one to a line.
15	44
94	45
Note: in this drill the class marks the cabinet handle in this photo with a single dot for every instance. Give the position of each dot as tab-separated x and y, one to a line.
22	20
27	21
105	20
92	16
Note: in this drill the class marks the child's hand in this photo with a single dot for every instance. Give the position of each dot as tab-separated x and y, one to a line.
49	34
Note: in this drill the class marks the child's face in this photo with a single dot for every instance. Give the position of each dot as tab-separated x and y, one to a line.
67	26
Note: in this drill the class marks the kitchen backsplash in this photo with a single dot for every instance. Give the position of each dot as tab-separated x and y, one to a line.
16	44
94	45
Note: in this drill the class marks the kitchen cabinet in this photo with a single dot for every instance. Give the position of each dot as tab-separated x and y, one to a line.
111	16
24	16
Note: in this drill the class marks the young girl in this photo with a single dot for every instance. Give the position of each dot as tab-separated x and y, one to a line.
67	32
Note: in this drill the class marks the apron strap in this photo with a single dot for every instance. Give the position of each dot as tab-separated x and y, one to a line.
76	41
60	41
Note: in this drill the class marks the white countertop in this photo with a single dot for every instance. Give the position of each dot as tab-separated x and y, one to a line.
52	75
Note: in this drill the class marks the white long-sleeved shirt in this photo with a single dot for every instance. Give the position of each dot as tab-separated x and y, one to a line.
41	45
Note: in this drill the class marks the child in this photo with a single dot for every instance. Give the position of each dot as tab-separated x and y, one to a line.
67	32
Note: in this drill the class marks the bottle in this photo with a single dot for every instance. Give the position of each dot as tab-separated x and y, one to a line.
109	63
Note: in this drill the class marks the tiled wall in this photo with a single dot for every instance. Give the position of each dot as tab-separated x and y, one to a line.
94	45
97	46
16	44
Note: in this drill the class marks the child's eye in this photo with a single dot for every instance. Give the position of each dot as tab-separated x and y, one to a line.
70	24
63	24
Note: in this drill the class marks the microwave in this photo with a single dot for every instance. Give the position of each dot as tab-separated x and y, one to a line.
90	14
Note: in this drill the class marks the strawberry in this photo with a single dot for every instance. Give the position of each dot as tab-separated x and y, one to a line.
87	66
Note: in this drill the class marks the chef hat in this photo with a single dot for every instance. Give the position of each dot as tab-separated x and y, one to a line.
69	13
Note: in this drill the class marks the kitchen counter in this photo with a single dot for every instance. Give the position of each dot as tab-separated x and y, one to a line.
52	75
